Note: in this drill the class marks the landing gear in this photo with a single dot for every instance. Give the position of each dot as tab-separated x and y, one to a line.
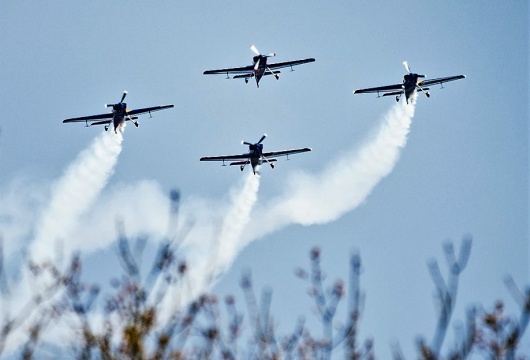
397	98
277	76
136	124
272	165
428	94
106	128
246	80
242	167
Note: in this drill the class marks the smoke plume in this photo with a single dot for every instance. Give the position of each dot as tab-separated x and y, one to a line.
321	198
73	194
212	251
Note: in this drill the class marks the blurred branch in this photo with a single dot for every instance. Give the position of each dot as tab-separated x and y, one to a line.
501	334
446	293
261	321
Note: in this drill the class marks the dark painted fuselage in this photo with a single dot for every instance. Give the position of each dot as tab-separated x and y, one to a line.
410	82
256	152
119	111
262	66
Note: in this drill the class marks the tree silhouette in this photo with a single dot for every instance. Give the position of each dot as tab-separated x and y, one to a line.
127	322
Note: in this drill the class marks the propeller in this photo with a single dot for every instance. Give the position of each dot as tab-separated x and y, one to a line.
410	72
259	142
122	98
407	66
256	51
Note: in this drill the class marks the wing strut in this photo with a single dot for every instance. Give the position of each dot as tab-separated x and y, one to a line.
267	160
275	74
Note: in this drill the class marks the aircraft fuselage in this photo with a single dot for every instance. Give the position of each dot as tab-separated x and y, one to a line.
256	153
119	111
262	66
410	83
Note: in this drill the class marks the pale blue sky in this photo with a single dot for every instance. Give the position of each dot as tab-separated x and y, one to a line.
463	171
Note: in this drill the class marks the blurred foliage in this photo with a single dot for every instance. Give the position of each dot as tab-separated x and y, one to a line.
130	323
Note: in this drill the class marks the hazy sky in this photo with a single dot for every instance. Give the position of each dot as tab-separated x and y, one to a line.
464	169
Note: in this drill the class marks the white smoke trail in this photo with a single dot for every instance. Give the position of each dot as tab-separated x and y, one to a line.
212	252
235	221
73	194
344	185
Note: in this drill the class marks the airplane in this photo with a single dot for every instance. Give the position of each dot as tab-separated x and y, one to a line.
259	67
118	116
411	83
255	155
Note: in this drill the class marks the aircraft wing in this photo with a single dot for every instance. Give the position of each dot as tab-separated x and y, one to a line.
273	154
89	118
225	157
379	89
149	109
239	70
430	82
289	63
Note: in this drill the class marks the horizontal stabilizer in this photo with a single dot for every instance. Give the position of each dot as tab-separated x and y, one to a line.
106	122
393	93
246	162
243	76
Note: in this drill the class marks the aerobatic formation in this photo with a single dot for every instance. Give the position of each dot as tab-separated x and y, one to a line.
412	83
